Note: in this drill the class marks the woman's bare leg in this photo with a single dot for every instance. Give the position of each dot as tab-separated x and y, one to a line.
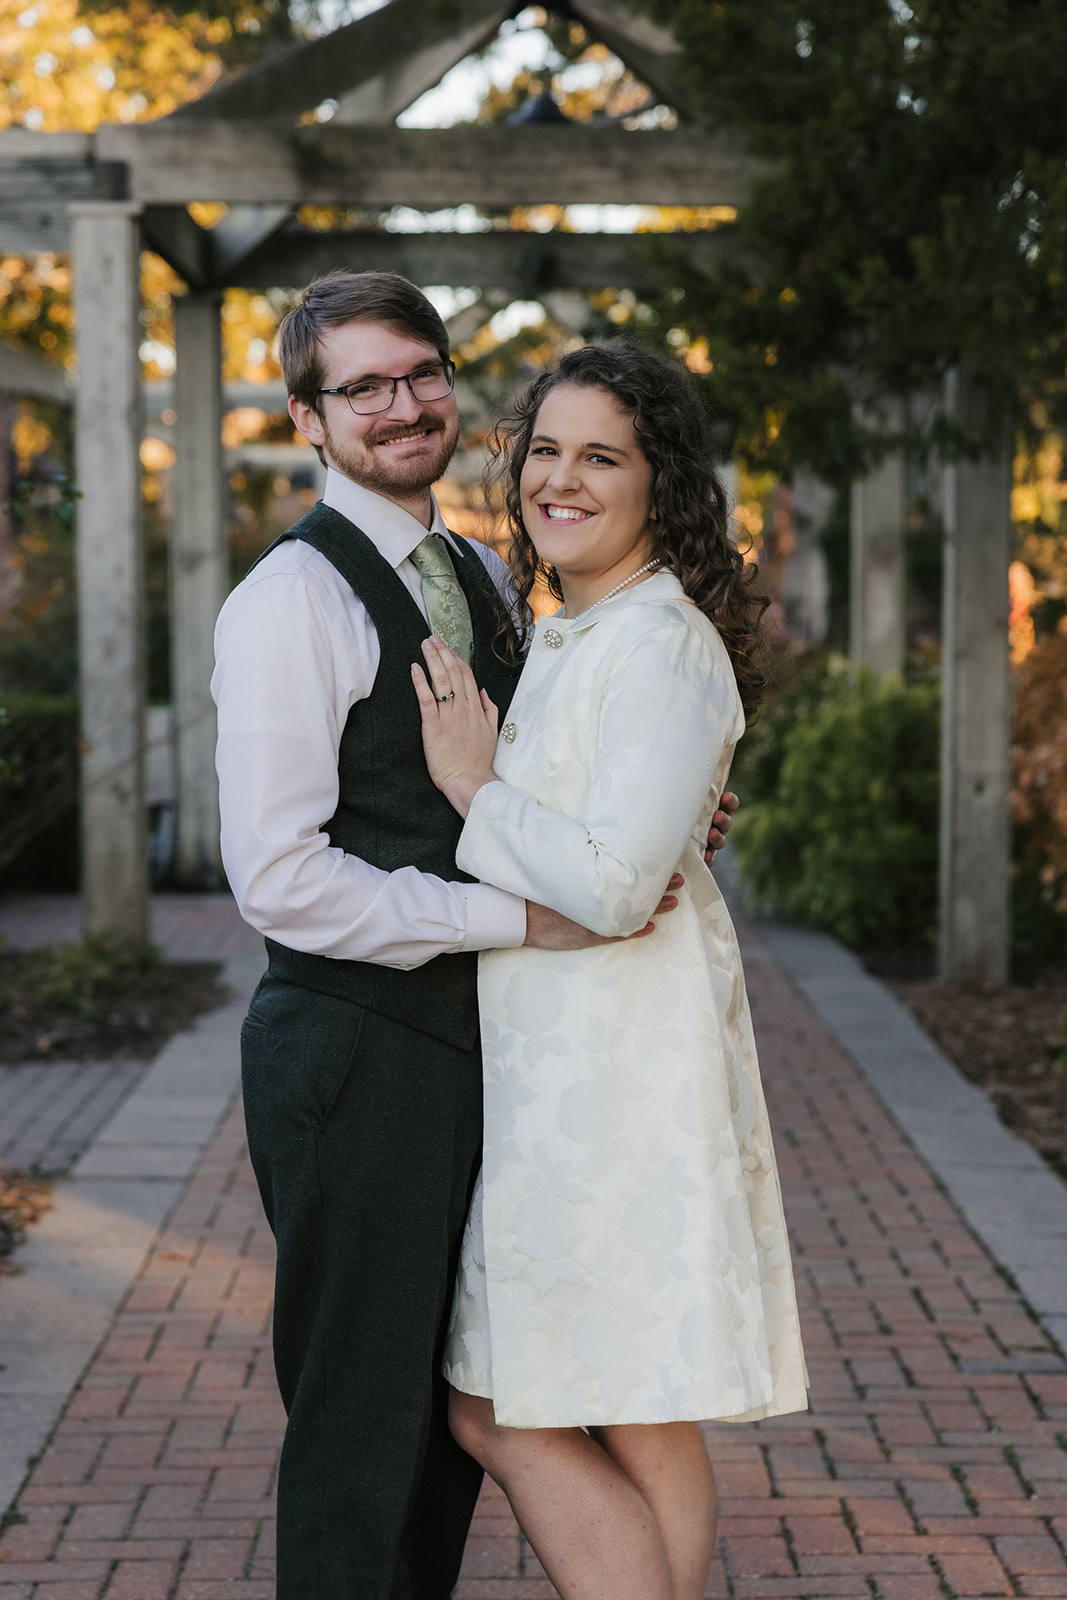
668	1463
618	1512
591	1528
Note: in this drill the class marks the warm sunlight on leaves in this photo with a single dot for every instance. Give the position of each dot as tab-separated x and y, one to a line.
35	305
68	69
249	324
30	438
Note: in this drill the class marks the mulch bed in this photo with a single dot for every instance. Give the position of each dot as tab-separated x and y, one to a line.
1012	1041
133	1015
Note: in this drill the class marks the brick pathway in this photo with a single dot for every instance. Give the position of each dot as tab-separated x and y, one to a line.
50	1111
933	1462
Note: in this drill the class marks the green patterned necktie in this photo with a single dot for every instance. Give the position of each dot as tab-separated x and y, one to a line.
447	611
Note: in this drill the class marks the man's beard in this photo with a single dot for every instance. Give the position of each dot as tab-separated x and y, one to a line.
402	479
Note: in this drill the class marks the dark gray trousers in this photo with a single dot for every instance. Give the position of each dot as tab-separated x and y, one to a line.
365	1136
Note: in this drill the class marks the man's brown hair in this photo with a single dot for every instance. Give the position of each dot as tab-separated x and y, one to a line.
341	297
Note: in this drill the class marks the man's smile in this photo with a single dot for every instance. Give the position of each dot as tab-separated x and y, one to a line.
416	433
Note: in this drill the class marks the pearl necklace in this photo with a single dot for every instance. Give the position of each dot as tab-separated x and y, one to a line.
655	562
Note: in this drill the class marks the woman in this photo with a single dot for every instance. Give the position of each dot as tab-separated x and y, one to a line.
626	1270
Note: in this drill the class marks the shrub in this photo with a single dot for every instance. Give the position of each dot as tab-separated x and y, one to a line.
79	977
1039	761
839	824
38	766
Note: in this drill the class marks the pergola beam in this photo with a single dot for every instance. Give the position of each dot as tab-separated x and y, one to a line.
649	51
21	372
524	263
295	80
39	173
271	162
240	234
171	232
211	257
427	56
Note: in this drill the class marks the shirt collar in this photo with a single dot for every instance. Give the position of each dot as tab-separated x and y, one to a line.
393	531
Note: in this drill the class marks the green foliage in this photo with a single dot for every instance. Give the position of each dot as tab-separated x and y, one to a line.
38	766
839	823
914	207
78	977
38	637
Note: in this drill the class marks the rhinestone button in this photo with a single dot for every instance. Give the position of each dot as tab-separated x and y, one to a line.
553	639
508	732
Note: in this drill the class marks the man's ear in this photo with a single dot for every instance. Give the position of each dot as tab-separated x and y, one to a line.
307	420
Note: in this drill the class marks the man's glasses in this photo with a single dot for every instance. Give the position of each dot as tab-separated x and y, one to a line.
431	382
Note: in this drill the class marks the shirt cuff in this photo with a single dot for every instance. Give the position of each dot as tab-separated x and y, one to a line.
496	920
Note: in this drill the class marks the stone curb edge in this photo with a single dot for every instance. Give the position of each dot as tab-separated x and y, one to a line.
1015	1204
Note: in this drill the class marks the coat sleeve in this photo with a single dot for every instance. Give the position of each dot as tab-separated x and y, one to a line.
669	707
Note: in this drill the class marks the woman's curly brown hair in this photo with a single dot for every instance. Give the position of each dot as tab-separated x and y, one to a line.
690	534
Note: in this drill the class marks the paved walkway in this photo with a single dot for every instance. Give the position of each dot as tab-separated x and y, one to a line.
52	1109
933	1462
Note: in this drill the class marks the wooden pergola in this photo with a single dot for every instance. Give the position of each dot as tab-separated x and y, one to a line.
105	196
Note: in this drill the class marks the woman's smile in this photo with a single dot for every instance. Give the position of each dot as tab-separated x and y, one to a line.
551	513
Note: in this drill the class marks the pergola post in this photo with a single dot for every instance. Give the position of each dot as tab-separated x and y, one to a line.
879	510
198	582
105	241
976	728
805	591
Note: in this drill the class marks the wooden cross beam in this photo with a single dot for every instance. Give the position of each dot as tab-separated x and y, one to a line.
172	162
647	50
524	264
211	257
409	38
376	66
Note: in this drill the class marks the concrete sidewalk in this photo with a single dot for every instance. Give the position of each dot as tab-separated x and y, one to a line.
933	1462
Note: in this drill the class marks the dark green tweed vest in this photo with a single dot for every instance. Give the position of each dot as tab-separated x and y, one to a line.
388	811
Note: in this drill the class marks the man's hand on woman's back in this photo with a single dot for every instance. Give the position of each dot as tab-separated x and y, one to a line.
720	826
550	930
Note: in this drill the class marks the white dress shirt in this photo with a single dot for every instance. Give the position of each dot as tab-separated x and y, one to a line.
294	650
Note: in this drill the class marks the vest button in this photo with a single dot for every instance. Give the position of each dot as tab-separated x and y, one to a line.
553	639
508	732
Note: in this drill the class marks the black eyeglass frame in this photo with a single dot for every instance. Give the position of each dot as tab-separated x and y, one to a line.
448	371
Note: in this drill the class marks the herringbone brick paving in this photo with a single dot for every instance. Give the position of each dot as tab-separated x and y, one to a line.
933	1462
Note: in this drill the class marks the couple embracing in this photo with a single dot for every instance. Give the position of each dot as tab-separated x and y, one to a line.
455	828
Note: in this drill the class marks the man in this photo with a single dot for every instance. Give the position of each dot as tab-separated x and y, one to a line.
362	1076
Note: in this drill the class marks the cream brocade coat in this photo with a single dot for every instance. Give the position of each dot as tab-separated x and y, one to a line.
626	1258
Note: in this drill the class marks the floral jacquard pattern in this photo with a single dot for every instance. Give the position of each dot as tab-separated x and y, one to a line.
626	1258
